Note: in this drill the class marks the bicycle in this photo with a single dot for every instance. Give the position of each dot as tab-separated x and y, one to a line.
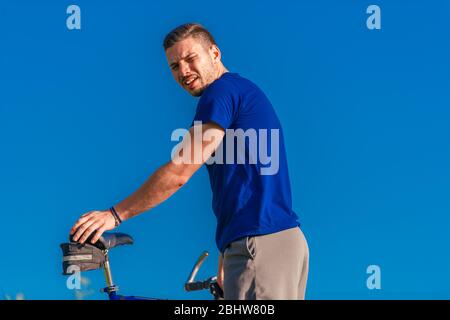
78	257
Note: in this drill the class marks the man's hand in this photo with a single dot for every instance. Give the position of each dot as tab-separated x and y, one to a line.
93	221
220	272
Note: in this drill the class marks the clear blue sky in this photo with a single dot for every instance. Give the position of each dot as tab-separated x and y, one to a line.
86	116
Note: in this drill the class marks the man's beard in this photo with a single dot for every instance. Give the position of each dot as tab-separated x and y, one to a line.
209	75
198	92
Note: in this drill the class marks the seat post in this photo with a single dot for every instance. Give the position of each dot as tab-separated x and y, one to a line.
108	276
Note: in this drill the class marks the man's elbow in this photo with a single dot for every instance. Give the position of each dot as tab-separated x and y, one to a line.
182	173
182	180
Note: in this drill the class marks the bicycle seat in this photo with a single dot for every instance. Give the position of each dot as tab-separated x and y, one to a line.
109	240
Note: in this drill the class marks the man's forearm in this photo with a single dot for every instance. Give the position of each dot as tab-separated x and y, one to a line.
159	187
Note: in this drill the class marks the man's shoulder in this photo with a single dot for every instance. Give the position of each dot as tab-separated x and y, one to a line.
234	77
223	86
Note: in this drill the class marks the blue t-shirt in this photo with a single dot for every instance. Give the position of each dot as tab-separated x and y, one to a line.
249	179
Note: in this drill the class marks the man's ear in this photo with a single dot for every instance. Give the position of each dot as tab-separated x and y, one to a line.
215	52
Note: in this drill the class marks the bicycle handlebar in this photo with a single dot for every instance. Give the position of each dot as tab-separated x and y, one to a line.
210	283
197	266
192	285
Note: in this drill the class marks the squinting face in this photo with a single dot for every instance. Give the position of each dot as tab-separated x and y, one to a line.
193	64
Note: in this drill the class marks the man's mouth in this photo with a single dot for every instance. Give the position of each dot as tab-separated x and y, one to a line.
190	82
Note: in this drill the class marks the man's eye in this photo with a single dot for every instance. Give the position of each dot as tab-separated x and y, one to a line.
174	68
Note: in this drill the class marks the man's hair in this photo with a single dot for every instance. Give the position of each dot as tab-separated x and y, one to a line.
187	30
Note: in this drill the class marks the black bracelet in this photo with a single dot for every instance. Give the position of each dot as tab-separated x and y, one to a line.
116	215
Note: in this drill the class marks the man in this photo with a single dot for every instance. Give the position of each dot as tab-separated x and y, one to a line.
263	253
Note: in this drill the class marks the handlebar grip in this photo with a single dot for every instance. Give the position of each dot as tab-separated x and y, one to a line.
195	286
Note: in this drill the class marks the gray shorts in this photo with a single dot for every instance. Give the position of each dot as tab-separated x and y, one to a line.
267	267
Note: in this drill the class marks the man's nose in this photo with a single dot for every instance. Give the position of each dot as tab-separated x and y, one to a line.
184	70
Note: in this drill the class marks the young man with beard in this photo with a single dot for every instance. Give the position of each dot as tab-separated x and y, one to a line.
263	252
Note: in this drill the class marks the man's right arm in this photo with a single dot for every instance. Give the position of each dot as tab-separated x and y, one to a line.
159	187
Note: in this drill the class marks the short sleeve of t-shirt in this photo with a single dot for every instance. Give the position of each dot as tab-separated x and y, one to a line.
217	104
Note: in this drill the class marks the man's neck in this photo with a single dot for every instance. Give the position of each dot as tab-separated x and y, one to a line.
221	71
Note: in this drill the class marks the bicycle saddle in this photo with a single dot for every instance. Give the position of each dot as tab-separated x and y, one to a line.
109	240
